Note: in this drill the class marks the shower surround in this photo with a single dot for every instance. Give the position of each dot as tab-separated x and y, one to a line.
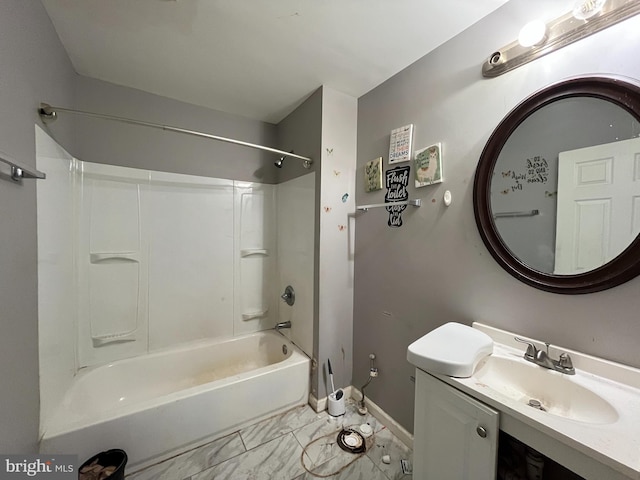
134	262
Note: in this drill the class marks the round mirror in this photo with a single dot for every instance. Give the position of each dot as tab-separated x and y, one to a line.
557	189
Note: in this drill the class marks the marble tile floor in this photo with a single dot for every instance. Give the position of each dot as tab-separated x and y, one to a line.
299	444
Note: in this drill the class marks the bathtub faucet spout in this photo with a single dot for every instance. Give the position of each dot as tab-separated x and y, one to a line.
283	325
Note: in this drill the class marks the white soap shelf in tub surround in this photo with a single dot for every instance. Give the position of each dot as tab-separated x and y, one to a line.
247	252
115	338
252	315
123	256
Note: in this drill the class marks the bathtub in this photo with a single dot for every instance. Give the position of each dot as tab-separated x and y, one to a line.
158	404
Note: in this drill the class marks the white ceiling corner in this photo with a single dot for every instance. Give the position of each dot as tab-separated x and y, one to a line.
254	58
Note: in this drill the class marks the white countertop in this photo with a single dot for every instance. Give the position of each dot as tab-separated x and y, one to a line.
615	445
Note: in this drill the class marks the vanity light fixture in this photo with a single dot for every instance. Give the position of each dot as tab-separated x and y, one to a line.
537	38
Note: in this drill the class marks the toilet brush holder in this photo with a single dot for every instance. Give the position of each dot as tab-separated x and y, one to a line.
335	404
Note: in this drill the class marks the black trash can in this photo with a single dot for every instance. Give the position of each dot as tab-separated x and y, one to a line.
105	465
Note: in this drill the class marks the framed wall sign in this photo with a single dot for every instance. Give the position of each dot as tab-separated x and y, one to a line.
373	175
400	144
428	165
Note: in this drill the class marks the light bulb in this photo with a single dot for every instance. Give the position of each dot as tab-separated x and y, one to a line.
533	33
586	9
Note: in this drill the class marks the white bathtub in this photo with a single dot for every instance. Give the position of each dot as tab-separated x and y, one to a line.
154	405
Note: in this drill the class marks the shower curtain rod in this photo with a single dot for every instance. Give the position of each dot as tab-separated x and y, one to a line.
50	114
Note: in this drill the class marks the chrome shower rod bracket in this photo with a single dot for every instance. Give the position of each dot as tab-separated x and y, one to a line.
49	114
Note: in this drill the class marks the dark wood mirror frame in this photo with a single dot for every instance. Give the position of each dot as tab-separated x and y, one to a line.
620	91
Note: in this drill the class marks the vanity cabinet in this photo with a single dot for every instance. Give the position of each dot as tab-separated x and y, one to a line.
455	436
570	427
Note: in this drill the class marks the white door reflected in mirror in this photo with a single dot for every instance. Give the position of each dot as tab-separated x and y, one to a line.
598	205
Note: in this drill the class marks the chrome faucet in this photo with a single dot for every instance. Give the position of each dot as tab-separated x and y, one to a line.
563	364
280	325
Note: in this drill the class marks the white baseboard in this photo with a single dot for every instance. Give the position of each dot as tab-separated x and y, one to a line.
315	403
320	404
384	418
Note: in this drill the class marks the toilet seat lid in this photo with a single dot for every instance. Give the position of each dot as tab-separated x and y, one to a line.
452	349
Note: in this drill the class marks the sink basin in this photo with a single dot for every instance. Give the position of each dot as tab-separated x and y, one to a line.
558	394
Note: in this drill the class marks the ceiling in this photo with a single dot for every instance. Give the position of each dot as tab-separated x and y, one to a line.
255	58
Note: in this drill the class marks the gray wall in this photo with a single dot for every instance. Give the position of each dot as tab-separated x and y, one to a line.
435	268
301	131
33	67
116	143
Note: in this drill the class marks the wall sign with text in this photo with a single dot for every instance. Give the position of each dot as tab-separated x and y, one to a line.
397	182
400	144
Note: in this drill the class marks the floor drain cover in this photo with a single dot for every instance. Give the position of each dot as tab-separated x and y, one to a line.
351	441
